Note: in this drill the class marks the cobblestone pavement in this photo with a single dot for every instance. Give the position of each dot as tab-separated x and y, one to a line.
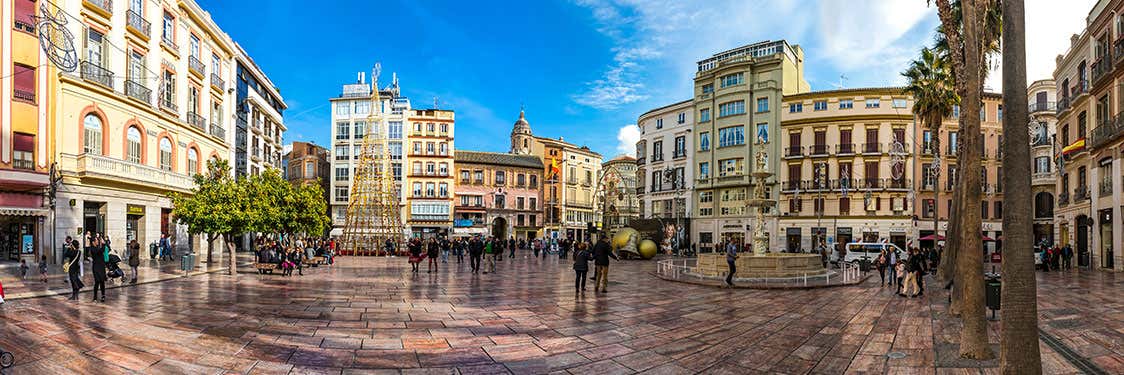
367	315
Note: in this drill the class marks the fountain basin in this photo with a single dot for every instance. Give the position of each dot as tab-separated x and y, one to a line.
771	265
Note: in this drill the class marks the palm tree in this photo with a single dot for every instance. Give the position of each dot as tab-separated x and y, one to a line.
933	90
968	37
1018	336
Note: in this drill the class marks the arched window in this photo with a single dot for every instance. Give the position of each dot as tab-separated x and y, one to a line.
91	132
133	146
165	154
192	161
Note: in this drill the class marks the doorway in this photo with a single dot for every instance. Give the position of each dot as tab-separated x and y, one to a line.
792	240
1105	217
93	217
499	228
1082	234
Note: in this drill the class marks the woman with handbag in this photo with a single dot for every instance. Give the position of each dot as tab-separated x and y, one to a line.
72	259
98	254
134	258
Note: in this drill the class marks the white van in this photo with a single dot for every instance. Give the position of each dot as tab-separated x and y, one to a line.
870	251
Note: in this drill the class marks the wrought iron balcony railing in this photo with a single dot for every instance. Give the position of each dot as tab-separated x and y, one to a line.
96	73
845	149
1042	107
218	131
794	151
137	91
872	148
194	119
138	23
818	150
218	82
195	65
106	5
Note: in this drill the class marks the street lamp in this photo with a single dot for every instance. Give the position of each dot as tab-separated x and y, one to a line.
671	175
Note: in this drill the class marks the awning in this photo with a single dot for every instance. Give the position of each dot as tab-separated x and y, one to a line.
336	232
1075	147
988	239
470	231
19	211
930	238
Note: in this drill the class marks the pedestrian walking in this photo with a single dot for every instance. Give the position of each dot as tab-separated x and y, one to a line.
601	254
894	280
72	259
23	269
134	259
475	251
881	264
731	259
900	270
446	246
1067	257
492	252
432	252
581	269
511	247
43	268
415	247
98	255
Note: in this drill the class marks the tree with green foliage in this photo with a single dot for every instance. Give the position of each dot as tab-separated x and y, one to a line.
218	206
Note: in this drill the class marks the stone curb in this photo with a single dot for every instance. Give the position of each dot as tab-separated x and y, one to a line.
170	276
760	286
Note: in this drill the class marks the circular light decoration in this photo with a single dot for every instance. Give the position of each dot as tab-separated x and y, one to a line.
1037	132
55	40
897	160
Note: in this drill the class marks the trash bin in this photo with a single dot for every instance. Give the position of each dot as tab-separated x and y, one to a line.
992	288
187	262
153	249
864	265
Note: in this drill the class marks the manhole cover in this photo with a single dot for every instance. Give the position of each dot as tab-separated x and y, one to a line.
896	355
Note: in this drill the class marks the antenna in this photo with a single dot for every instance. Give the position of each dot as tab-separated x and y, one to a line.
434	102
842	78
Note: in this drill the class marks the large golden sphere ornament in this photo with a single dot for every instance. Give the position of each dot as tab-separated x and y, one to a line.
648	249
620	240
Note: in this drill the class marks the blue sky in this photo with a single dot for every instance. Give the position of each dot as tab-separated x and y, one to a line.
584	69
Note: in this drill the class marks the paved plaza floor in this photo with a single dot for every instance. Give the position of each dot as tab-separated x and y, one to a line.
368	315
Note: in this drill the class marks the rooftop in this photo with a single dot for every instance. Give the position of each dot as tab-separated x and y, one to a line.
497	158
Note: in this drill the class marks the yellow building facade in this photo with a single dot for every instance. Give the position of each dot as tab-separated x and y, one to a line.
429	204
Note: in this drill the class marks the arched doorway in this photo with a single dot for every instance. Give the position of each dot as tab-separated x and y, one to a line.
499	228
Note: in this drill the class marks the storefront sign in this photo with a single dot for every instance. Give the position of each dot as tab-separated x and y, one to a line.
133	209
996	257
28	244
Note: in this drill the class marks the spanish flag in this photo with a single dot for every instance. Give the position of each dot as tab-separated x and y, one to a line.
554	168
1075	147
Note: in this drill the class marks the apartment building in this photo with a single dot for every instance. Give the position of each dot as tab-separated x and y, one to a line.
665	162
145	110
307	163
350	112
258	117
1042	102
429	204
569	173
498	194
846	166
1075	107
739	92
26	152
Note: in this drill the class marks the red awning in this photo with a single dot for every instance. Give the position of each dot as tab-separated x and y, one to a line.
930	238
986	238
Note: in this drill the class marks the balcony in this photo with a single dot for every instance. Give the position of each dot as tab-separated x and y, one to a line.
870	183
818	151
1043	178
872	148
794	152
1118	51
255	152
639	190
845	149
103	7
136	90
657	158
1063	105
170	44
137	24
1080	193
1081	87
1042	107
680	154
101	167
218	131
792	185
1106	131
194	119
902	184
27	96
1101	69
167	104
196	66
1063	199
217	82
641	160
1104	189
928	150
97	74
257	125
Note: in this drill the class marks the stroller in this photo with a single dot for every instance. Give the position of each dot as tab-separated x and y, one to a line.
113	269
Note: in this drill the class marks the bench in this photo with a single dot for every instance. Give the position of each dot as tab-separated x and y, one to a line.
317	261
265	267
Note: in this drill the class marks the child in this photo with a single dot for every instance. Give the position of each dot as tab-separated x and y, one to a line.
43	269
23	269
901	277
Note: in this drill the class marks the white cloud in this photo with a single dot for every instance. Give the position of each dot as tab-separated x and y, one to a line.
858	34
627	137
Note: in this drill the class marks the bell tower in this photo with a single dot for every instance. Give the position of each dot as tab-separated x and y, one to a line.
521	136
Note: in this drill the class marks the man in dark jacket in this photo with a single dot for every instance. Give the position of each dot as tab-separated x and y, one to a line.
601	254
581	268
475	251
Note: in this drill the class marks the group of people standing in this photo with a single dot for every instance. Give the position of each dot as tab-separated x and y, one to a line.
103	262
600	254
907	272
1056	258
290	255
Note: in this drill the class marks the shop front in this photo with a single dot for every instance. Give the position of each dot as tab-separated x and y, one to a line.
1105	245
22	219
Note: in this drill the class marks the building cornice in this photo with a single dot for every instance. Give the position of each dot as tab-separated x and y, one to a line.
848	119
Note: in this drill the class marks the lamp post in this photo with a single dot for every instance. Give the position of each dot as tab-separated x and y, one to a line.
671	176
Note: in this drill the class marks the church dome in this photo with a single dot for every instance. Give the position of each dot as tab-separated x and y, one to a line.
521	125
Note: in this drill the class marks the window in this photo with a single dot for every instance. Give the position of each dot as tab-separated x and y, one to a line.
659	123
796	108
193	46
730	167
394	130
657	150
430	127
956	111
430	148
498	201
95	47
731	136
169	89
500	177
763	133
999	117
704	115
216	65
846	103
898	103
731	108
362	108
23	78
706	197
342	152
341	193
732	79
682	117
417	148
657	181
443	190
23	151
343	130
417	189
762	104
443	149
169	34
137	70
704	141
953	143
91	133
819	105
983	117
983	209
443	169
998	212
1042	164
25	16
704	170
519	203
444	128
873	103
708	88
165	154
133	150
680	147
342	174
192	161
478	177
417	170
361	129
343	108
430	169
532	203
193	100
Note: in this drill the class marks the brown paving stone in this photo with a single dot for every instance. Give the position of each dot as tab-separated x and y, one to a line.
640	361
453	357
128	358
385	359
424	344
